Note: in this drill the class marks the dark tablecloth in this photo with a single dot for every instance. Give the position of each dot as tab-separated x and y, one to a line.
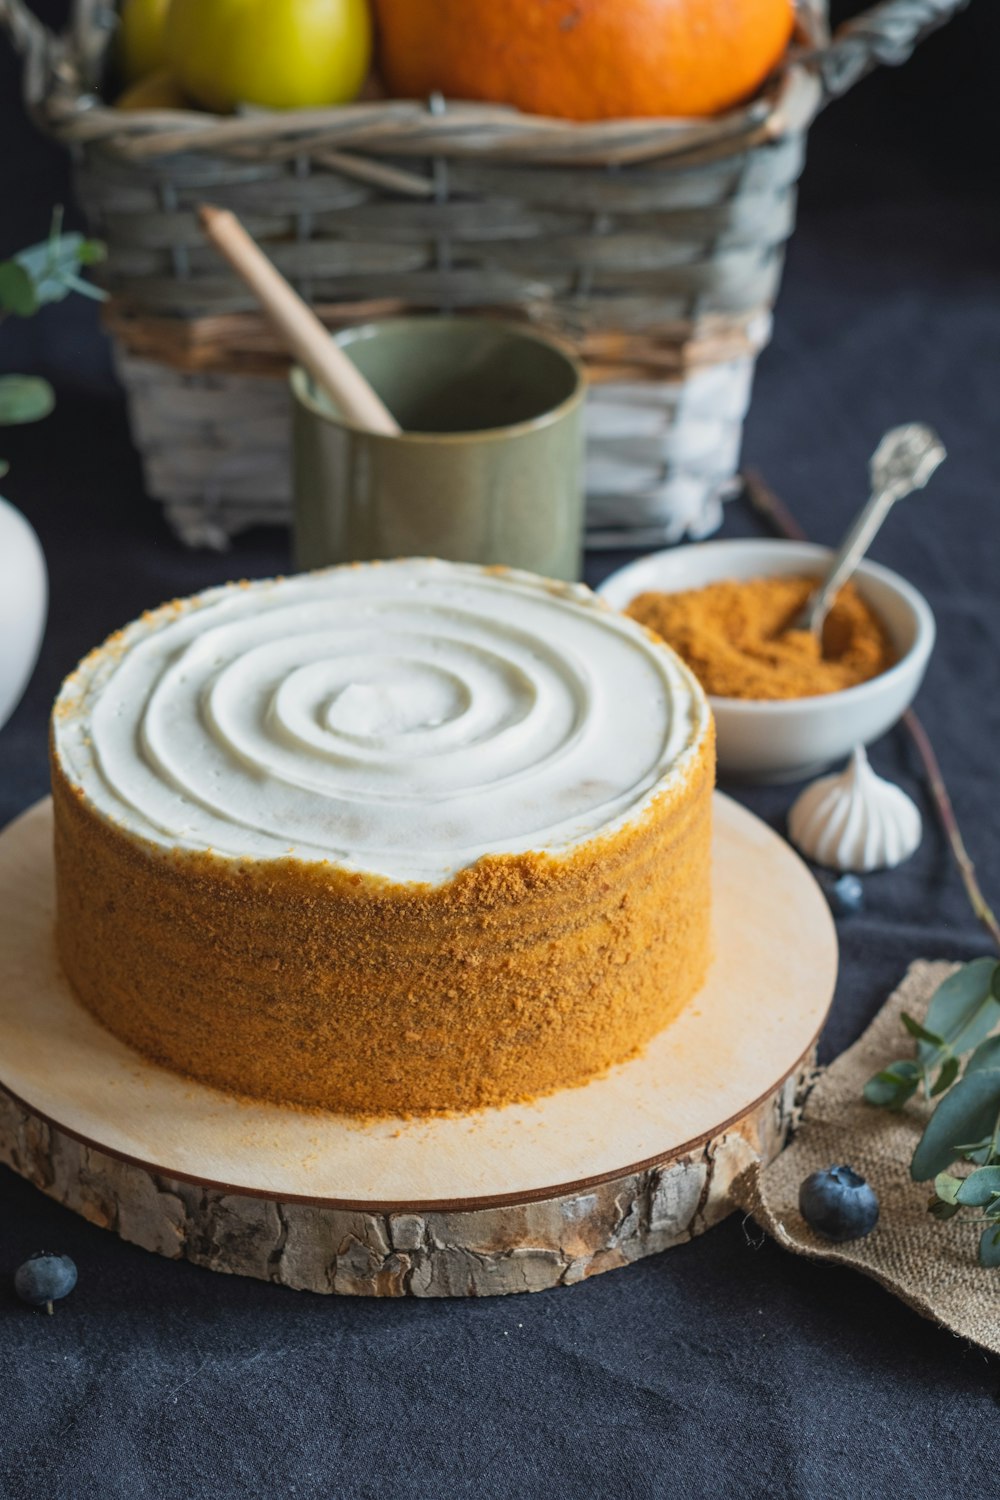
722	1366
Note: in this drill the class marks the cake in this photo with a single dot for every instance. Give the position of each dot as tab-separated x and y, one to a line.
394	838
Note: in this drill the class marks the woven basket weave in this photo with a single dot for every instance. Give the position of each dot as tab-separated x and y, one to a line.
653	247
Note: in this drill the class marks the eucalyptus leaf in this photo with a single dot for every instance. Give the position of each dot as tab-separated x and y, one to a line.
86	288
894	1085
968	1112
17	290
24	398
59	249
986	1055
920	1033
942	1210
976	1190
946	1186
946	1077
965	1009
4	467
989	1248
51	269
90	252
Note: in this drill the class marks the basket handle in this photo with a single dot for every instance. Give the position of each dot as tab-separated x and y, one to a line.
69	63
38	46
886	34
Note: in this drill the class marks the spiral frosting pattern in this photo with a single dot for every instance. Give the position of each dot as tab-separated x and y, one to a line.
398	718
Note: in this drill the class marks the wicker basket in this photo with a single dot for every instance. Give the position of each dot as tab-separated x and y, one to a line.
653	246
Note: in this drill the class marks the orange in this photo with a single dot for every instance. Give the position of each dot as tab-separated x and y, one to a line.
584	59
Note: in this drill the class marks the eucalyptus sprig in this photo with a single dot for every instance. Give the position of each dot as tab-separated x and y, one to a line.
28	281
965	1125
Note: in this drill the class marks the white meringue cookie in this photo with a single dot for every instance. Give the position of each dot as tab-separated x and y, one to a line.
855	820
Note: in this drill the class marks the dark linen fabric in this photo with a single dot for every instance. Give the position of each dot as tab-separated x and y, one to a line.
724	1366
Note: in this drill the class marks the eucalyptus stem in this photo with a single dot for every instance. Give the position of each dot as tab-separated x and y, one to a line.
994	1139
766	503
949	823
763	500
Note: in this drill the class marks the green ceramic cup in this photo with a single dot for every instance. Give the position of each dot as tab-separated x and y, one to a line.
488	468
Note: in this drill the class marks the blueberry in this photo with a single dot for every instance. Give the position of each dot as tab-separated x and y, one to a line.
839	1204
44	1278
848	895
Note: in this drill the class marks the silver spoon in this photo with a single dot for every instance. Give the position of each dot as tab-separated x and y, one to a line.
903	461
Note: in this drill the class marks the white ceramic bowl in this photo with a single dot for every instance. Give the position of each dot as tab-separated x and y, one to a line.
791	739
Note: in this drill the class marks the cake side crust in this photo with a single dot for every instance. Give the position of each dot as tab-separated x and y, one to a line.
307	984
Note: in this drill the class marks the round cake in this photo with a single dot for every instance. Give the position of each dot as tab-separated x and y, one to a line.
393	838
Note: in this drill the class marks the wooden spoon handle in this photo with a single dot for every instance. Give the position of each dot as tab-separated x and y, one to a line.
297	325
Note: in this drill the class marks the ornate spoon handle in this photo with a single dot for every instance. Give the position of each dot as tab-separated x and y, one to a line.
903	461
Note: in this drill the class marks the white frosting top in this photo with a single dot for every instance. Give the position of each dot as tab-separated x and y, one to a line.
400	718
855	820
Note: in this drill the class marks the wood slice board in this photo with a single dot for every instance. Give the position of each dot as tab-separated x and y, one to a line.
513	1199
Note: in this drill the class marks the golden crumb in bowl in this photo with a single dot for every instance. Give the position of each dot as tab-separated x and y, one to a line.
735	637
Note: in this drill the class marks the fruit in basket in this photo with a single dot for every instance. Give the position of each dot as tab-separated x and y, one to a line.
281	54
584	59
140	38
159	90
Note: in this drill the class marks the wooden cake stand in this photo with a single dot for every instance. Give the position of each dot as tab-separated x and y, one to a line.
506	1200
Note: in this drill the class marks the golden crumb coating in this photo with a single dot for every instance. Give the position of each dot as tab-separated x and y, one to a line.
303	983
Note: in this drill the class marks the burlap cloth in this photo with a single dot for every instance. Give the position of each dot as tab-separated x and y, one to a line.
931	1265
